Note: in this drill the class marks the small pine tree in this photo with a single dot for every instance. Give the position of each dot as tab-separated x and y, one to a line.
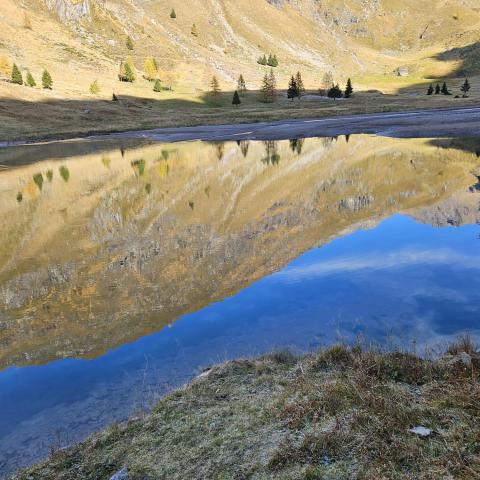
215	88
465	87
126	73
158	86
194	30
300	86
348	89
335	92
16	75
114	98
173	14
430	90
437	89
264	89
241	87
94	88
30	80
274	61
236	99
292	90
47	81
262	60
129	43
445	89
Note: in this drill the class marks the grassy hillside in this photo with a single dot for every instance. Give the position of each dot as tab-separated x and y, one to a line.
340	413
80	41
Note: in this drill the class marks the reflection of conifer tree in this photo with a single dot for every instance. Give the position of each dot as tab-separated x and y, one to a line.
272	156
244	146
207	191
296	144
38	179
327	142
220	150
64	173
139	167
347	138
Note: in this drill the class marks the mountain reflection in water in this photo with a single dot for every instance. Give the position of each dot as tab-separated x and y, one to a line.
239	247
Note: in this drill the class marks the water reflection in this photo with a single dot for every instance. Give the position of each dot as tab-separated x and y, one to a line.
237	247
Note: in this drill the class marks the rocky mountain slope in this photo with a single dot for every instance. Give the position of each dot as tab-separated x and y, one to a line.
83	40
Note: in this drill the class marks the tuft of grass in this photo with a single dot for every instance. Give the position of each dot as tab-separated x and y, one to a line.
344	412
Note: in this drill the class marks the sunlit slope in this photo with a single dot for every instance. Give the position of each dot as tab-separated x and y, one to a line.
120	244
80	41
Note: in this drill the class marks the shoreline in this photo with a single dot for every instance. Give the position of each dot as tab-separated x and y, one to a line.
343	412
444	122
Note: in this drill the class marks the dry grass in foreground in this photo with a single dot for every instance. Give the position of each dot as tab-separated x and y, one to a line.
342	413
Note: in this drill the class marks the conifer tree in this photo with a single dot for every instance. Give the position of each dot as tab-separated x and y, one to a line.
151	69
348	89
437	89
47	81
335	92
215	88
300	86
274	61
264	89
173	14
430	90
158	86
465	87
126	73
236	99
114	98
241	87
194	30
30	80
272	86
270	60
445	89
129	43
16	75
292	90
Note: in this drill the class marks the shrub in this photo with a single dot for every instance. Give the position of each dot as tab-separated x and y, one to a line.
129	43
94	88
158	86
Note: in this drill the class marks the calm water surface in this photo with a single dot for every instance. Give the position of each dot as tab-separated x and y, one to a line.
124	271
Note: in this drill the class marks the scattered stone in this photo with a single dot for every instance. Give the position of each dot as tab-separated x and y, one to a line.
421	431
120	475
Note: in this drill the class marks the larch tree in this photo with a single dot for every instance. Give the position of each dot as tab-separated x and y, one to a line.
241	86
300	85
150	68
215	88
465	87
327	83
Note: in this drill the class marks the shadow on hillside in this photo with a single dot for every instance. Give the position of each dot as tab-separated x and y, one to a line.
469	55
467	144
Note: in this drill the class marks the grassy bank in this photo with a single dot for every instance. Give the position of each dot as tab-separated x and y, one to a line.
337	414
57	118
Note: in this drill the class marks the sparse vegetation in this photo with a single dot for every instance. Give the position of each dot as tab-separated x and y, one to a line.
342	413
194	30
129	43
